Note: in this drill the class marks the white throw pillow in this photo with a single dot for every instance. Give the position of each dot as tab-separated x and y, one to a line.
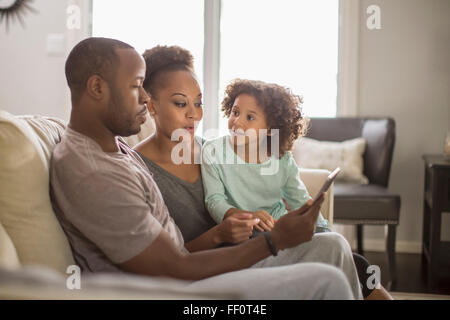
348	155
26	145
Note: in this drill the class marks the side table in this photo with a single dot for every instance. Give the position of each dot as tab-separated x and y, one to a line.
435	252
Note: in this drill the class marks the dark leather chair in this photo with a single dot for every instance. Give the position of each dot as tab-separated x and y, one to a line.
370	204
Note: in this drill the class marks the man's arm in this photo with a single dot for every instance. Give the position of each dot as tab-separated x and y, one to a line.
163	258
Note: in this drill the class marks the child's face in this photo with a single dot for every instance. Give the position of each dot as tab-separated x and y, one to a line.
247	119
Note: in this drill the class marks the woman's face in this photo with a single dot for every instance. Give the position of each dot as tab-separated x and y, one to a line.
178	105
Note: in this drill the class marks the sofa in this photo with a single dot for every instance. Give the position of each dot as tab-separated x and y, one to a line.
34	251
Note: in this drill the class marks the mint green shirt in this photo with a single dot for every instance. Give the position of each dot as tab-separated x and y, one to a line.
230	182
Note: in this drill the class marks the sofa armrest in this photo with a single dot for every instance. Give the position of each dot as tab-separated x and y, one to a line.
8	253
313	180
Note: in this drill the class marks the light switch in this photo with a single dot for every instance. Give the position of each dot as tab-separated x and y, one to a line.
56	44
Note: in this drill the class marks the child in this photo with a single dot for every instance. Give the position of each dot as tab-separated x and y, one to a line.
233	166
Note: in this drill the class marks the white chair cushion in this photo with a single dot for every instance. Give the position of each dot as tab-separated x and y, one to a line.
26	145
348	155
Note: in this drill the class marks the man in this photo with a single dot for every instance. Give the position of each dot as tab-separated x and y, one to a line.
115	217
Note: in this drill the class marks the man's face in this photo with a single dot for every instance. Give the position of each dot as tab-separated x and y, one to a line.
127	106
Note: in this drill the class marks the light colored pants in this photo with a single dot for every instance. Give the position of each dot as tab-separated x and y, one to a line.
322	268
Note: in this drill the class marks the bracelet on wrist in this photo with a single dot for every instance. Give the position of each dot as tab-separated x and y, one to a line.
272	247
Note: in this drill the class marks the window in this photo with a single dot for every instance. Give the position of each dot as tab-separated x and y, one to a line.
290	42
145	24
293	43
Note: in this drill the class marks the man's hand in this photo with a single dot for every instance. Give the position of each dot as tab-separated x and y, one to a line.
297	226
266	221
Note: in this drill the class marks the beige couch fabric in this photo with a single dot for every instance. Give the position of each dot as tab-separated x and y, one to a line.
8	254
26	144
314	180
37	282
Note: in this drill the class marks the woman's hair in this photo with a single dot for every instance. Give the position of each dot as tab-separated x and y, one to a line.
161	60
282	108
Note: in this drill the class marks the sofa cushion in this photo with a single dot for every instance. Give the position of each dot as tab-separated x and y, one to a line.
348	155
38	282
26	144
368	204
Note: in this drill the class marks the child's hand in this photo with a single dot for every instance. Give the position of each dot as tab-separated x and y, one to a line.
266	221
286	205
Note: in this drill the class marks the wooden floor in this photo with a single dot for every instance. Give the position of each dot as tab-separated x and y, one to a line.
411	273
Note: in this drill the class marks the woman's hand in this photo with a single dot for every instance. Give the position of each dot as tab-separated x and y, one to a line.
266	222
236	228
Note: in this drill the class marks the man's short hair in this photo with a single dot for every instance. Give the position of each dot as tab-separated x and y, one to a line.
92	56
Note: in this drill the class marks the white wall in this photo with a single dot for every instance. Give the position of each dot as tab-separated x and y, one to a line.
404	72
32	81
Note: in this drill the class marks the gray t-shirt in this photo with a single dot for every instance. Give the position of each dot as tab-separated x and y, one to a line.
184	200
107	203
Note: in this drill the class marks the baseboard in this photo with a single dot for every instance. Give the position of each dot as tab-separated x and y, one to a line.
379	245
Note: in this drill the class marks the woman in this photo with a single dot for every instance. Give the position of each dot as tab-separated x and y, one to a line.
176	103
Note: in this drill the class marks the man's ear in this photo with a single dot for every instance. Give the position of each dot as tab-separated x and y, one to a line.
96	87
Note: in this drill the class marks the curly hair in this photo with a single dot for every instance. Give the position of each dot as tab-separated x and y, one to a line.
282	108
161	60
